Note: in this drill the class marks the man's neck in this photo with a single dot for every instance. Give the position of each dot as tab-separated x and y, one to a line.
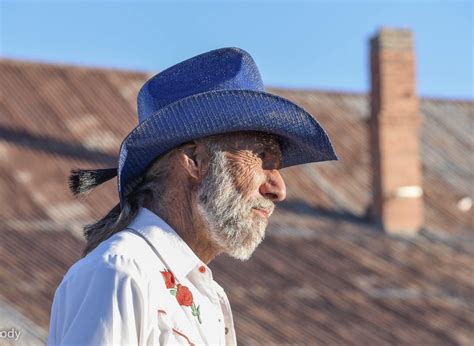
188	224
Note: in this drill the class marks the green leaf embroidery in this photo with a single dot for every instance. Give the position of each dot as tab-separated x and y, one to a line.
198	313
194	310
199	317
173	291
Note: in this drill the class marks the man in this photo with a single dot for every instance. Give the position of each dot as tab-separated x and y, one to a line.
199	176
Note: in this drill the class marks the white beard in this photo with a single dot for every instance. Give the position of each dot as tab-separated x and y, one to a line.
233	225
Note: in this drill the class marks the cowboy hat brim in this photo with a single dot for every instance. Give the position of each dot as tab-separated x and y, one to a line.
301	137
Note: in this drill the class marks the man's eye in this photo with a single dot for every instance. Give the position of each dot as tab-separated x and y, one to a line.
261	155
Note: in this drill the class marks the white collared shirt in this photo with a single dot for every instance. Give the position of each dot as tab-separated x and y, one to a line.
117	294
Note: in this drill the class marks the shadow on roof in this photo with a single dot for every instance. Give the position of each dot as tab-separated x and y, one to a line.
51	145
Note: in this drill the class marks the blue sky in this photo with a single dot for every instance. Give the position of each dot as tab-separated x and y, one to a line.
302	44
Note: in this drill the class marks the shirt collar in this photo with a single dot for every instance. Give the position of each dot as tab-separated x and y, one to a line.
174	251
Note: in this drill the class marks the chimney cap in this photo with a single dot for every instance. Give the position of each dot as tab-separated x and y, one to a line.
392	38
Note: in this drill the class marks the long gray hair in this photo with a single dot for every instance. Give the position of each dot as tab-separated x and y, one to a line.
150	187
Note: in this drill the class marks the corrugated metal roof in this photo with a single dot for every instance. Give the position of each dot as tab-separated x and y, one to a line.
329	275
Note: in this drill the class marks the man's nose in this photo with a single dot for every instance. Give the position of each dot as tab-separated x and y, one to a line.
274	188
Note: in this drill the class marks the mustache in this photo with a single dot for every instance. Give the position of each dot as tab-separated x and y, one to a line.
264	204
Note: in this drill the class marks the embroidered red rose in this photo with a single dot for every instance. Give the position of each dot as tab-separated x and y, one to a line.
184	296
169	279
182	293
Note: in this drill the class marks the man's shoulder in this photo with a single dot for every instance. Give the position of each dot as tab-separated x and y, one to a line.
124	253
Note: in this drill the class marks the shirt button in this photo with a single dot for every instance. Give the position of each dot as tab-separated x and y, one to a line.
226	330
202	269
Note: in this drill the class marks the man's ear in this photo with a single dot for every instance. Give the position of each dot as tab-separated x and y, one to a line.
194	158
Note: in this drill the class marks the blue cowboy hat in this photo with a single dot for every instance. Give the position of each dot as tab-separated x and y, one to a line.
217	92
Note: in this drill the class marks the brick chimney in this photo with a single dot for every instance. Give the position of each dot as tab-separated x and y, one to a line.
394	133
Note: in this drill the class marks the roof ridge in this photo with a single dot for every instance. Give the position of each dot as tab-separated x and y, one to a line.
145	74
65	65
446	99
308	90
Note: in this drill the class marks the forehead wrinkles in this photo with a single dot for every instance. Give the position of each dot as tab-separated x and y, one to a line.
246	147
269	144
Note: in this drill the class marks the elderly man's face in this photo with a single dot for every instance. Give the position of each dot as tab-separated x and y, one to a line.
238	192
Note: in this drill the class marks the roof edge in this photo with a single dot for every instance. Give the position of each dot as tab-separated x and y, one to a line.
147	74
65	65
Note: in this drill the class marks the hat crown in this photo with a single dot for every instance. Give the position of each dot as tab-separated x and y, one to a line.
220	69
